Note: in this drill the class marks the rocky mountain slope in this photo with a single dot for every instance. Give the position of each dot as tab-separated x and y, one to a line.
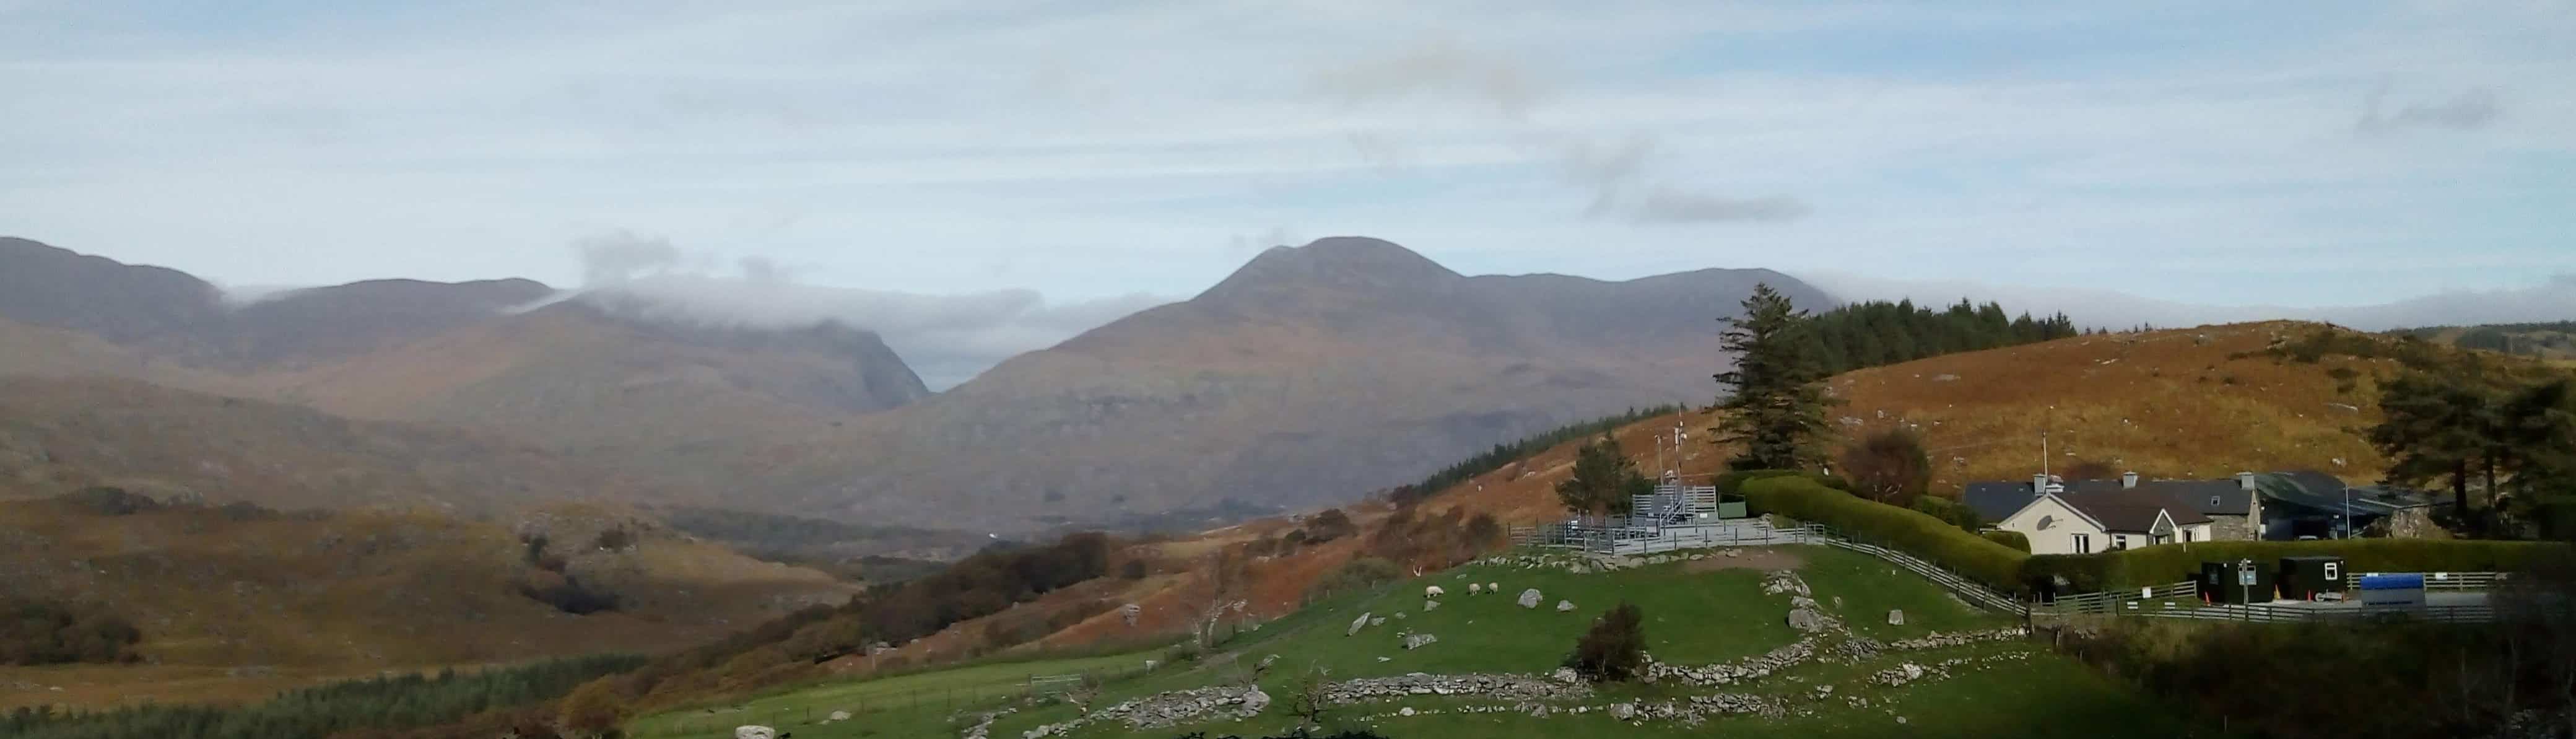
1313	374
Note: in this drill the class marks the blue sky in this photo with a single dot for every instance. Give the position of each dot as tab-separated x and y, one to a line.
2281	154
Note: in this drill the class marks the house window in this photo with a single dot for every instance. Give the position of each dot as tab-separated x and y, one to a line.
2213	501
2119	541
2083	543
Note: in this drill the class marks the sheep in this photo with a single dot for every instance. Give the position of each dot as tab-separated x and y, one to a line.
1433	591
1493	588
1473	588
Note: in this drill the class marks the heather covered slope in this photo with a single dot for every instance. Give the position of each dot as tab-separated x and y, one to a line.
1315	374
2198	402
236	602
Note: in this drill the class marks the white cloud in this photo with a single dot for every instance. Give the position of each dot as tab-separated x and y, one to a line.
946	148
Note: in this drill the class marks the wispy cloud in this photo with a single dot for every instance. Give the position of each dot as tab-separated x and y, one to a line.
947	339
2473	108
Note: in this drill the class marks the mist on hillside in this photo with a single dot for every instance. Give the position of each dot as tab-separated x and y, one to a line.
946	339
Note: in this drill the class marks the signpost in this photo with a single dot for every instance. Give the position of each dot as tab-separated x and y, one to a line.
2245	581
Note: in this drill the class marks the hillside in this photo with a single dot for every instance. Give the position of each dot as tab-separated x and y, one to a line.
2199	402
2549	341
577	376
236	602
1312	375
581	380
1712	620
62	434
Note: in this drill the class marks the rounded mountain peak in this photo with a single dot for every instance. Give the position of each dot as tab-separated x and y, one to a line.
1339	263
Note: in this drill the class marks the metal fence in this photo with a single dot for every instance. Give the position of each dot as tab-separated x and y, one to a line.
2260	613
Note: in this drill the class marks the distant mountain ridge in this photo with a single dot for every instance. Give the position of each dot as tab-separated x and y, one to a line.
572	375
1312	375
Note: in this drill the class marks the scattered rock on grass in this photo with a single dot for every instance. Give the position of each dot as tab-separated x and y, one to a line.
1530	598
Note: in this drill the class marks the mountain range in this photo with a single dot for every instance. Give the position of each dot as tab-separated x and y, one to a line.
1311	375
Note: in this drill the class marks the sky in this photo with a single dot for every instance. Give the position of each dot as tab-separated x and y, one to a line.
1080	155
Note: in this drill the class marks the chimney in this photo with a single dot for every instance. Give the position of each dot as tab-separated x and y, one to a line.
2038	485
2245	480
2128	480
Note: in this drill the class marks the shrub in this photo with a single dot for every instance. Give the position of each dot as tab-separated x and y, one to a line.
1921	535
1889	466
108	501
36	632
2013	539
1615	647
594	709
1329	525
613	538
1134	570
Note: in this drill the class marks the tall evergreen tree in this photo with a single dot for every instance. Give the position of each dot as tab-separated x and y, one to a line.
1775	405
2433	428
1603	480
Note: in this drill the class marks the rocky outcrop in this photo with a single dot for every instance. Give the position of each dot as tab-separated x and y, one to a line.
1498	687
754	732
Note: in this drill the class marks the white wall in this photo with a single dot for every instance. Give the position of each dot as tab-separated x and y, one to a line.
2052	527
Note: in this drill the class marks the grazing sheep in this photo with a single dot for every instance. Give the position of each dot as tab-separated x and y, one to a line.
1493	588
1473	588
1433	592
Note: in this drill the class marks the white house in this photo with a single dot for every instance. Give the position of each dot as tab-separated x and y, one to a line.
2106	521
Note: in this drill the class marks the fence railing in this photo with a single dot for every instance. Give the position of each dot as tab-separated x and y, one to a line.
1970	590
2437	580
2260	613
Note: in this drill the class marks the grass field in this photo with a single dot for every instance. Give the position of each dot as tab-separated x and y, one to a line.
1697	613
904	705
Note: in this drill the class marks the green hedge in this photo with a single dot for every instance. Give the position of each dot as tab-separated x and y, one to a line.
1731	484
1956	513
2013	539
1889	526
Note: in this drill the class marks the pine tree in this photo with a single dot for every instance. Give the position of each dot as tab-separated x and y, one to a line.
1775	405
2433	428
1603	480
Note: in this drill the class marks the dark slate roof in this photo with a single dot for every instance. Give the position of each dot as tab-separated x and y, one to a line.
2132	511
2324	492
1996	501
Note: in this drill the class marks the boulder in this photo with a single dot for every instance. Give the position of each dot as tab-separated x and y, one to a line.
1418	641
1564	605
1405	711
1130	612
1895	617
1530	598
1806	621
1623	711
1430	605
1255	701
1356	624
1266	662
1399	615
1379	621
1566	676
754	732
840	715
